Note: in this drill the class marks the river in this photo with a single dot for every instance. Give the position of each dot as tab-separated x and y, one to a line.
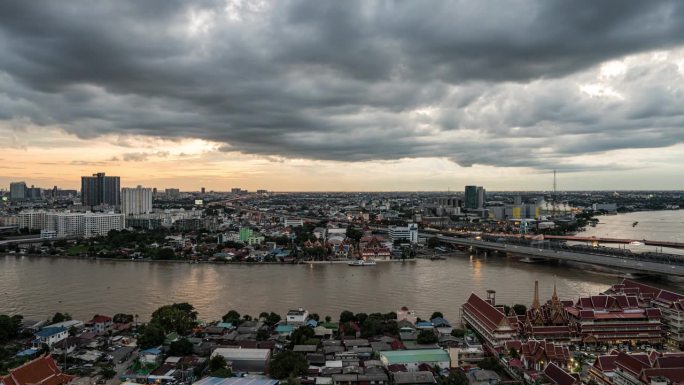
651	225
37	287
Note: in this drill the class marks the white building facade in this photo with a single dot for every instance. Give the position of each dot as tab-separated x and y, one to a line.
135	201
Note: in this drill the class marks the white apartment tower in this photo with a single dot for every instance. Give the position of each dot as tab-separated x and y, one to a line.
136	201
100	224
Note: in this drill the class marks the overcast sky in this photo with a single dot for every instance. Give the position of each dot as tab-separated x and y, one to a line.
344	95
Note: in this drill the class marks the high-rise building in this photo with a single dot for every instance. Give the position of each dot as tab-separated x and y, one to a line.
470	197
31	219
136	200
172	193
100	190
34	193
18	191
474	197
100	224
480	197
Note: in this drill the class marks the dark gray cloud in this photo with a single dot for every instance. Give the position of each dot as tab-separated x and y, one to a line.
478	82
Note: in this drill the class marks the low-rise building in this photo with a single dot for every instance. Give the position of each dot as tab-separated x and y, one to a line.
412	359
245	360
297	316
50	336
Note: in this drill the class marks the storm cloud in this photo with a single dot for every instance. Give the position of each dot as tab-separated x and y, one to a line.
517	83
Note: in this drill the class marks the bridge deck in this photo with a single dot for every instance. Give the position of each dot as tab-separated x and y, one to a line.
603	260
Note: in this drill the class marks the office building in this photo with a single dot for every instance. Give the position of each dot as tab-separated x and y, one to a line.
34	193
404	233
172	193
99	190
480	197
18	191
136	201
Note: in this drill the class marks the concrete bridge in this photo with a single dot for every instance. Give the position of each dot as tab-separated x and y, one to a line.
616	262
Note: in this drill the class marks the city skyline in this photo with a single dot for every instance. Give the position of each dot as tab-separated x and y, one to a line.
297	96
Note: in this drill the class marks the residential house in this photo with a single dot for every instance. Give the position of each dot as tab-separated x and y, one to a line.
100	324
50	336
297	316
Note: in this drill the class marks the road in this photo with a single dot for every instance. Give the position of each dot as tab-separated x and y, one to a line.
608	261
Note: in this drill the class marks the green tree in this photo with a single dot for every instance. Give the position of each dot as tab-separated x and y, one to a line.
458	333
151	336
286	364
121	318
107	372
60	317
346	316
360	317
519	309
437	314
273	318
427	337
301	335
178	317
262	335
164	254
315	317
216	363
455	377
181	347
371	327
233	317
9	327
354	234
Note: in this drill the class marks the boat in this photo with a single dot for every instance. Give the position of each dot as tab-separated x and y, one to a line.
361	262
635	223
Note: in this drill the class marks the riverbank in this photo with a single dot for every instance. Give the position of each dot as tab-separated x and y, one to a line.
185	261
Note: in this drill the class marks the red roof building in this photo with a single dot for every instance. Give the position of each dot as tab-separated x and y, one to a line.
488	321
619	368
671	305
535	355
558	376
615	319
41	371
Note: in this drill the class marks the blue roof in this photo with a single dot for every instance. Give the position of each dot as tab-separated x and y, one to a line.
439	321
424	324
226	325
154	351
27	352
51	331
312	322
284	328
236	381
